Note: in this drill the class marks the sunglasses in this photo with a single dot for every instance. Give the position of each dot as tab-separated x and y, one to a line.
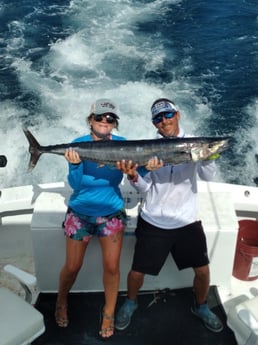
99	117
157	119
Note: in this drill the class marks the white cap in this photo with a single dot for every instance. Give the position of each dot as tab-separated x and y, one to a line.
162	106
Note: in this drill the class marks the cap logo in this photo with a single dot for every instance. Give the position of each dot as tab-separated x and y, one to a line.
107	105
103	106
161	107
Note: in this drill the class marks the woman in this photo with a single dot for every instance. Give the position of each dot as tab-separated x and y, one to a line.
96	207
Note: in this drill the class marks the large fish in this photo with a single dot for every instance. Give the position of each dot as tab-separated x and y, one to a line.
108	152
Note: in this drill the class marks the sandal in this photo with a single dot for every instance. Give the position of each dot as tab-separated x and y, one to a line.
106	332
61	321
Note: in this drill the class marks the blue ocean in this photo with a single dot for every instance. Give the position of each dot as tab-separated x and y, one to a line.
58	56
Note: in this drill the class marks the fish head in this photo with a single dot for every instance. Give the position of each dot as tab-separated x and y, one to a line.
204	150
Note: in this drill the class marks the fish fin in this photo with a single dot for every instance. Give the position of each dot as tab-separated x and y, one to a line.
34	149
195	155
213	157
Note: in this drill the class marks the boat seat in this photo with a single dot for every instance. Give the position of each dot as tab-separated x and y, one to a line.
20	322
243	320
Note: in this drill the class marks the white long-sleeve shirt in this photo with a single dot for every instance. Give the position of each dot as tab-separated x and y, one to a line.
171	193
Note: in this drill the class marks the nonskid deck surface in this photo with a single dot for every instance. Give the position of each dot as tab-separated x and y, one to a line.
163	317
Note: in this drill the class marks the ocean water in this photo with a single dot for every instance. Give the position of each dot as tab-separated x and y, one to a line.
57	57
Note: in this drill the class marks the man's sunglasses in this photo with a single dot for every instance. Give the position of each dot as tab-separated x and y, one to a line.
99	117
157	119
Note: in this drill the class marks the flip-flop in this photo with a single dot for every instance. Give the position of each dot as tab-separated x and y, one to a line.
61	321
103	332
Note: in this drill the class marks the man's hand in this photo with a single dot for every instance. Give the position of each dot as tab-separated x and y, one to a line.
154	163
128	168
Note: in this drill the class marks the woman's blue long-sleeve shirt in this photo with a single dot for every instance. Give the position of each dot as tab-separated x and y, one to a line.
96	189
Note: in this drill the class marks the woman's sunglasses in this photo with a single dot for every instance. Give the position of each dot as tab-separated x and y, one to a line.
157	119
99	117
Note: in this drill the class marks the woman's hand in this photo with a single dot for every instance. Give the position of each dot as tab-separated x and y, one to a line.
128	168
72	156
154	163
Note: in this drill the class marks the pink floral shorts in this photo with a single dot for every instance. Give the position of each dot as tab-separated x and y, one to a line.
80	227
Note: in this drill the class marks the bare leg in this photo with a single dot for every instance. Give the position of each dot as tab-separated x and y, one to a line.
201	289
111	251
201	283
75	251
134	283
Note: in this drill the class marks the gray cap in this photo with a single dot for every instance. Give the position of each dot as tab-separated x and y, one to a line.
104	106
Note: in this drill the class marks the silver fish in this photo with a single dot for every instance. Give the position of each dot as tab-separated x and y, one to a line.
108	152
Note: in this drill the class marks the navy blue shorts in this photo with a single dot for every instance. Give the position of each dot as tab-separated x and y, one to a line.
187	246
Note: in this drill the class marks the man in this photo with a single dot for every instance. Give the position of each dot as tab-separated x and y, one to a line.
167	222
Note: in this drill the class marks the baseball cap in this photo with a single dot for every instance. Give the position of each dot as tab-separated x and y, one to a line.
162	106
103	106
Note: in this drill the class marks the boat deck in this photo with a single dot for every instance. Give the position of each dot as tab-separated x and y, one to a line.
163	317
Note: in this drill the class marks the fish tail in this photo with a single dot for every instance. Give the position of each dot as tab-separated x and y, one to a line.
34	149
